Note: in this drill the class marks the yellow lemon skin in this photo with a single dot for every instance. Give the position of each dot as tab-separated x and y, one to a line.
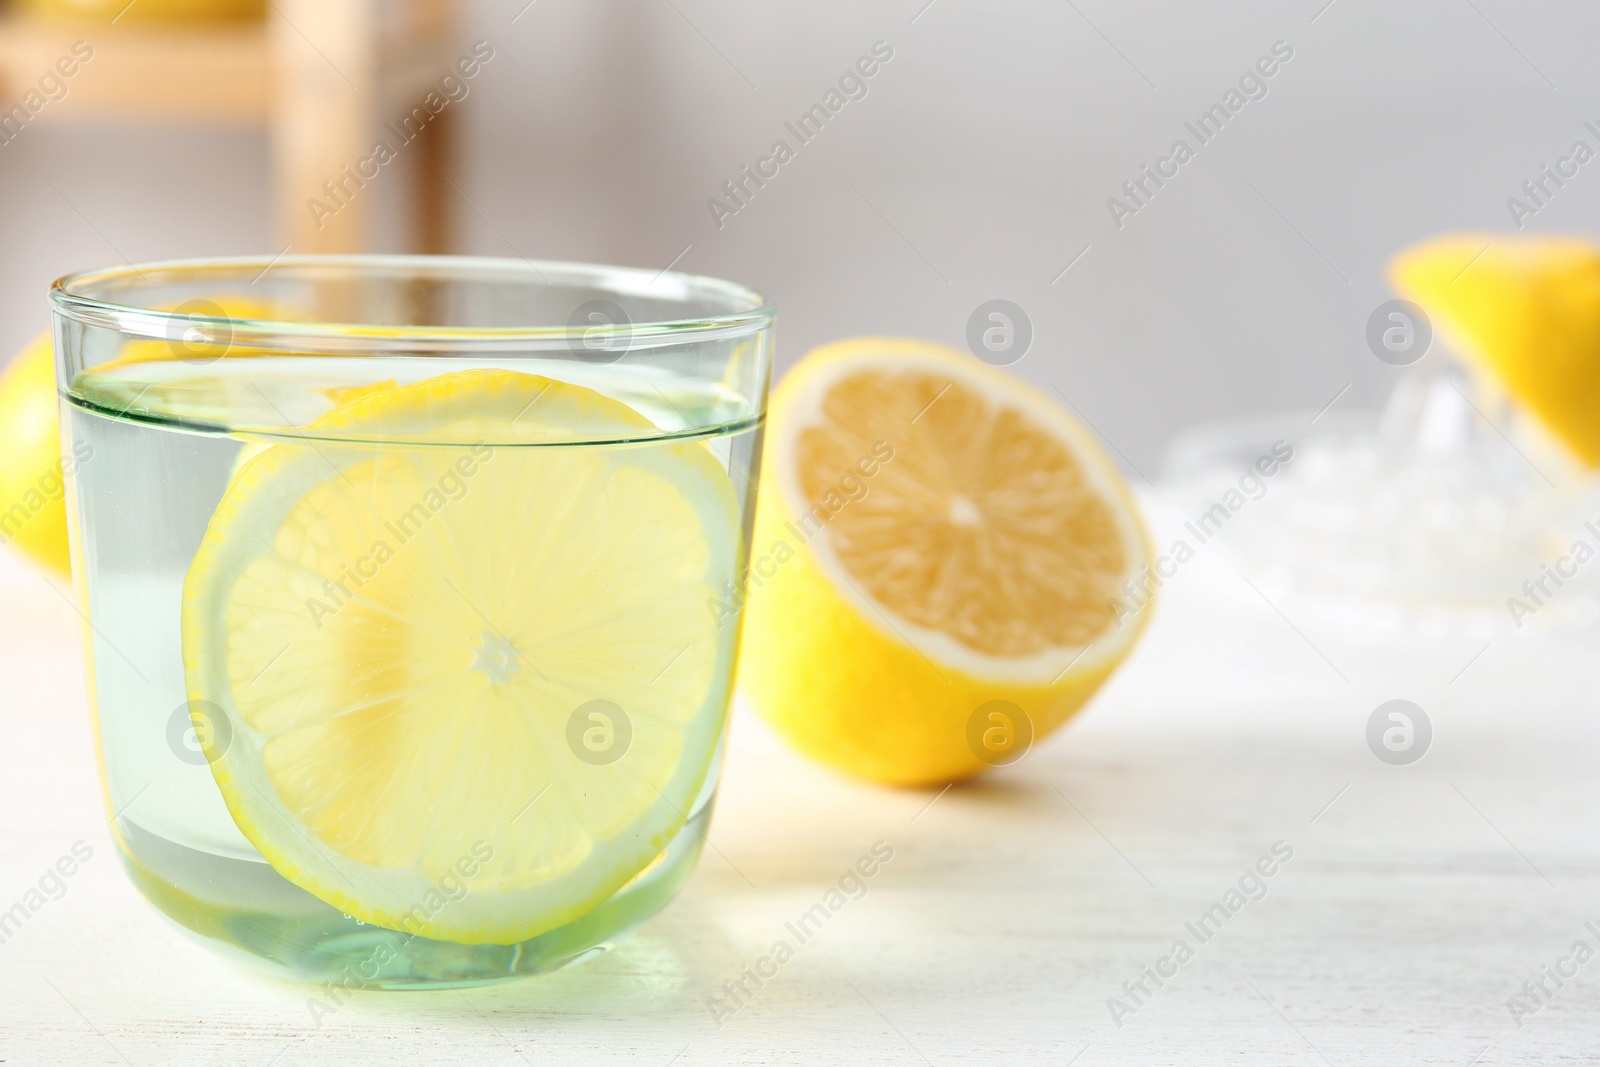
846	691
1527	311
33	510
842	693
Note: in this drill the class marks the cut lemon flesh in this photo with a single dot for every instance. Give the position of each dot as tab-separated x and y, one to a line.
985	529
933	534
469	682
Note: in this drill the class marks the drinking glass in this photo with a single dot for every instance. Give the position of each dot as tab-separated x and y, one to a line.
405	582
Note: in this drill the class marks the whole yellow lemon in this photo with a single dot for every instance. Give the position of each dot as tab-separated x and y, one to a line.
33	511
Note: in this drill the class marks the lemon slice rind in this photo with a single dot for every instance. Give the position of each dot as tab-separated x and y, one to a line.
513	893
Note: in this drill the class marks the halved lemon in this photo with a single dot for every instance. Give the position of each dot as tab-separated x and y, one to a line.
1525	310
938	563
467	680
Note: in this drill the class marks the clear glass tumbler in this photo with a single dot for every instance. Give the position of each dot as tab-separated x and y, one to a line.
406	583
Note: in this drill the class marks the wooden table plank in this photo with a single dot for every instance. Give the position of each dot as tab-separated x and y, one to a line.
1417	900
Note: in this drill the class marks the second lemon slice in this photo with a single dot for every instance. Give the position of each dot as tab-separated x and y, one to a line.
401	629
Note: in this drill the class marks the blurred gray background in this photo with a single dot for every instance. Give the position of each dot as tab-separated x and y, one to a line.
978	166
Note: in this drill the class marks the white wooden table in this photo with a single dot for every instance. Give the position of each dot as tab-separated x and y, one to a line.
1418	900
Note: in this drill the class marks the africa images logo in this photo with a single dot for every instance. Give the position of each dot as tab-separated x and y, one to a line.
738	191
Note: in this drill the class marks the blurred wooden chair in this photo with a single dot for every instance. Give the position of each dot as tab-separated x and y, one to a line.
323	77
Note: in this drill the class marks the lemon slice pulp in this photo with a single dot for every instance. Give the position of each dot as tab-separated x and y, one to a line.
469	681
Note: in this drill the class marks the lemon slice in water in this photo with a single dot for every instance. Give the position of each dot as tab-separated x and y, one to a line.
469	680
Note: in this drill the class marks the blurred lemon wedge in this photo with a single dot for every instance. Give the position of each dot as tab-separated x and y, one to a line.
1525	310
398	632
939	550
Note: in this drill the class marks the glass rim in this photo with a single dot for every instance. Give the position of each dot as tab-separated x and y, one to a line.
754	311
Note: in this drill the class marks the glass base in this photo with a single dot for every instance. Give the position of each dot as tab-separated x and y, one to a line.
248	911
